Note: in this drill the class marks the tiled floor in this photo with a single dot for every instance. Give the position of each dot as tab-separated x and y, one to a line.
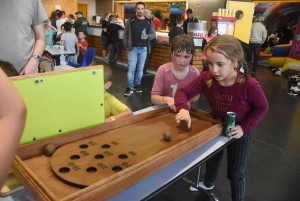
273	167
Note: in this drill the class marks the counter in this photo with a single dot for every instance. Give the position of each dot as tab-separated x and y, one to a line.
159	56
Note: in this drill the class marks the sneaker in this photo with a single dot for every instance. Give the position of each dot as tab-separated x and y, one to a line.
128	92
295	89
146	74
137	89
201	185
106	59
291	92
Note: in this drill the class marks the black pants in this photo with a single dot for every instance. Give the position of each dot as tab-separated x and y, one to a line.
255	48
237	153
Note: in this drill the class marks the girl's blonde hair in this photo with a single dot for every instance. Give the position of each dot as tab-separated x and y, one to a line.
183	43
231	48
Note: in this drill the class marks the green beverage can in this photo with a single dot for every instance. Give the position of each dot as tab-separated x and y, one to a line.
229	123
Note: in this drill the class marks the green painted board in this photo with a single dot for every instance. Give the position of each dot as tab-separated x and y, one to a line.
62	101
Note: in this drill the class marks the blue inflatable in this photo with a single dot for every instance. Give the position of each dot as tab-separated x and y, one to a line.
176	11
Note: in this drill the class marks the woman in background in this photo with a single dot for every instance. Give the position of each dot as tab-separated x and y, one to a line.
71	18
213	32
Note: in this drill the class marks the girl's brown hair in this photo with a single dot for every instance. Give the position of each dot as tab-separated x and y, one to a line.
231	48
183	43
212	30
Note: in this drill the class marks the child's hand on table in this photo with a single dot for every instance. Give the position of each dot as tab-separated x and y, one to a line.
184	115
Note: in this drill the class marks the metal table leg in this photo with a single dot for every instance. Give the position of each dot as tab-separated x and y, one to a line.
196	184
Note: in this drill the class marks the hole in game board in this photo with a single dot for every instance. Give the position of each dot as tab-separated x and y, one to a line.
123	156
105	146
83	146
64	170
98	156
117	169
91	169
75	157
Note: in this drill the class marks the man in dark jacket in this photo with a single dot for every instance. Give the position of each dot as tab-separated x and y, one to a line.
138	33
189	19
81	23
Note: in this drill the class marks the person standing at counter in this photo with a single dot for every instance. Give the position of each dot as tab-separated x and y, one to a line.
176	30
148	14
190	18
113	38
137	43
25	39
257	38
104	35
156	21
60	21
81	23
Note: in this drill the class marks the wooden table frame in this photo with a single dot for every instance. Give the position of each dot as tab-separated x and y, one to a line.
113	185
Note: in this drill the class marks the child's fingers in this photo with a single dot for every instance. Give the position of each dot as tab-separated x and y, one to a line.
189	123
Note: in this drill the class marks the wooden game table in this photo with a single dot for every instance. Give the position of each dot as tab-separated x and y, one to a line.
139	179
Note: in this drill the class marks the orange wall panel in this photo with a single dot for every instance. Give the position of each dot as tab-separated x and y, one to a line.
69	6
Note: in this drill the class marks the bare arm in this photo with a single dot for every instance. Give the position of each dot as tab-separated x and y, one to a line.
121	115
12	121
77	46
40	43
157	99
52	27
194	99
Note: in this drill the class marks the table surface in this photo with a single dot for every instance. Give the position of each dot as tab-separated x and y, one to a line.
59	68
152	183
56	51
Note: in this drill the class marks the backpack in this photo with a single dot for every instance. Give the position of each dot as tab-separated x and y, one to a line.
47	64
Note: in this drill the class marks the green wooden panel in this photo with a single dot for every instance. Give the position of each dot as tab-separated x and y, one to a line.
61	103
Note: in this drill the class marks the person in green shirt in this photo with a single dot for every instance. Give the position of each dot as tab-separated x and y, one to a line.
113	108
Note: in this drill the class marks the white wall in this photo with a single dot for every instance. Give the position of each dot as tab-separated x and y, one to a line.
91	8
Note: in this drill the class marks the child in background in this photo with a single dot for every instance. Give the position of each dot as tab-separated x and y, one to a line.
69	40
176	30
176	74
49	32
58	38
114	109
12	121
227	90
83	45
213	32
113	39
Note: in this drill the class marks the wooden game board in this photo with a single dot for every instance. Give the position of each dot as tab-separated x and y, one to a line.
108	158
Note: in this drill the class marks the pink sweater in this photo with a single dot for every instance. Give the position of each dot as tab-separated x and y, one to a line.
246	99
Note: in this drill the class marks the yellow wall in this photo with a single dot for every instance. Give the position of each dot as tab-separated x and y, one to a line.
242	26
69	6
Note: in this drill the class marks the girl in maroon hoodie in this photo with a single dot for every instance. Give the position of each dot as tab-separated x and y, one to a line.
226	89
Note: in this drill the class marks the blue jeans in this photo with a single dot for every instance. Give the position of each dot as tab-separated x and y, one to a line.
136	61
115	50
